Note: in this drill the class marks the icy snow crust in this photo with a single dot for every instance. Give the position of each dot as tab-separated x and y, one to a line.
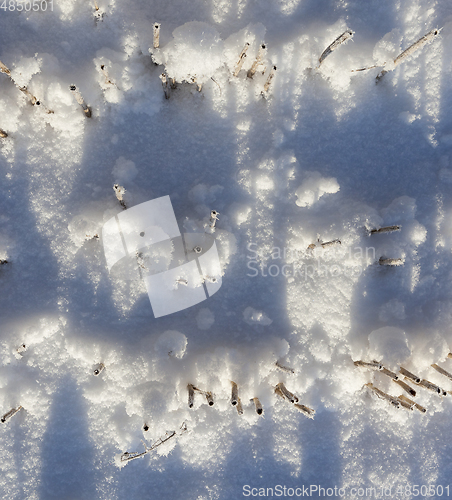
324	155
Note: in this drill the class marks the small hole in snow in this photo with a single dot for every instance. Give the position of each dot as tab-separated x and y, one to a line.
142	233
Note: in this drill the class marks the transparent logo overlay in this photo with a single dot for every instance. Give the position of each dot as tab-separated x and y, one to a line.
178	270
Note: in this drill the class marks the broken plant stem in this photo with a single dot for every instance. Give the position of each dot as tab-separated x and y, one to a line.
411	50
388	229
373	365
100	368
283	368
210	279
209	398
191	395
269	79
442	371
241	60
234	394
156	41
257	406
22	348
281	388
330	243
383	395
405	387
389	373
412	403
3	134
10	413
346	35
390	262
257	61
98	14
405	404
105	73
164	79
239	407
80	100
119	191
33	100
364	69
307	412
213	218
409	375
416	46
432	387
127	457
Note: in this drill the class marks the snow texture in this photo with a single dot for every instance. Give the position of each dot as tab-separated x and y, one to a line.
301	168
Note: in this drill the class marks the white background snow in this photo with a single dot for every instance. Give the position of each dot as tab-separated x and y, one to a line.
324	154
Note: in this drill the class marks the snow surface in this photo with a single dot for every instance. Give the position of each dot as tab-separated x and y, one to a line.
325	154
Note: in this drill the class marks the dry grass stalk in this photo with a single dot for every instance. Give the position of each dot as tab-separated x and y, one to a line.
241	60
33	100
209	398
283	368
372	365
164	79
191	395
390	262
257	61
286	393
382	395
100	368
127	457
332	243
105	73
412	403
269	79
156	41
21	349
389	373
307	412
9	414
405	404
234	394
388	229
213	218
80	100
411	50
346	35
432	387
257	406
409	375
442	371
405	387
119	192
